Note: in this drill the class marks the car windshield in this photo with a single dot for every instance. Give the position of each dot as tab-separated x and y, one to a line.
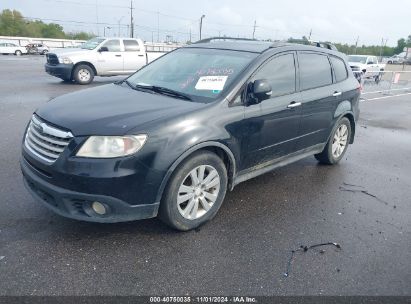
200	74
361	59
92	43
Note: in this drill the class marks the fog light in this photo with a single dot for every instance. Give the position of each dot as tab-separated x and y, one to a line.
99	208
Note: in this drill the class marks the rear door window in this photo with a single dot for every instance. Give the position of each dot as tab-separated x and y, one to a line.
131	45
340	69
315	71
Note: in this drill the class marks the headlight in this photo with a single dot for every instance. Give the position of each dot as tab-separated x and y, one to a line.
64	60
111	146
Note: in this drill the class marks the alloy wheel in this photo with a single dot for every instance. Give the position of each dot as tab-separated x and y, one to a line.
340	141
198	192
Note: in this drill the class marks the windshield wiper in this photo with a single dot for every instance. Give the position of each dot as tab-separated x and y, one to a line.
134	87
164	91
156	89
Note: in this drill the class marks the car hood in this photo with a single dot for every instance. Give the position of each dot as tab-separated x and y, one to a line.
112	110
69	52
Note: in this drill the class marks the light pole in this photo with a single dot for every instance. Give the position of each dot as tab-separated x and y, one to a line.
119	25
201	24
106	27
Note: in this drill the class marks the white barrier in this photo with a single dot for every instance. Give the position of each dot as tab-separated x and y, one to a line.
61	43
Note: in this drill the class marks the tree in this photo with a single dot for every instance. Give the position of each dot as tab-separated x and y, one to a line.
401	44
12	23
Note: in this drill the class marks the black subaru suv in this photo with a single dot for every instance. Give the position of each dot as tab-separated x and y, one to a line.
171	139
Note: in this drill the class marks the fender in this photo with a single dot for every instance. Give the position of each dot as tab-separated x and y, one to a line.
189	152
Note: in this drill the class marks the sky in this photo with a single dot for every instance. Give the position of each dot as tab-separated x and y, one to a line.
338	21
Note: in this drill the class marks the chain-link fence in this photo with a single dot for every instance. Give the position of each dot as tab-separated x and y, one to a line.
387	82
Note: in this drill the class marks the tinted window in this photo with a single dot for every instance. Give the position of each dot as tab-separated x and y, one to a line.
112	45
131	46
339	69
280	72
315	71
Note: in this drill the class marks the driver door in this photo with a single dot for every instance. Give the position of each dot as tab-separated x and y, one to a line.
273	125
110	62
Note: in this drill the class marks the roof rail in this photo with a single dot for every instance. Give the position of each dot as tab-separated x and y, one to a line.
326	45
208	40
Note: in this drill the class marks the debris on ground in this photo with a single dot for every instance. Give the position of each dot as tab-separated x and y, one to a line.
363	191
2	257
305	249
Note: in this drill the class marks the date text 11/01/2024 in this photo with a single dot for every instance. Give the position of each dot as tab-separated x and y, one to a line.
203	299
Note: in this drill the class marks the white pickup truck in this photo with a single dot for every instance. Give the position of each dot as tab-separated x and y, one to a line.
368	65
99	57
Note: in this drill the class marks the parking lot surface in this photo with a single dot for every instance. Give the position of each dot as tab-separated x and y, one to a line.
363	204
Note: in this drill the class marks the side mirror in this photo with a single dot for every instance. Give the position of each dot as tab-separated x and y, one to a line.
103	49
262	89
258	91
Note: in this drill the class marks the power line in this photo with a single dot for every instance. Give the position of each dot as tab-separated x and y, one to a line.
83	23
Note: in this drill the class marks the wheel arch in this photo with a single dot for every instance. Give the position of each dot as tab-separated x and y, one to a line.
85	63
350	117
218	148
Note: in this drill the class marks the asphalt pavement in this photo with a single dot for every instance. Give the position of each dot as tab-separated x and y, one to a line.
363	204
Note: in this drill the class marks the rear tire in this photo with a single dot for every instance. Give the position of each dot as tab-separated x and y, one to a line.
194	192
337	144
83	74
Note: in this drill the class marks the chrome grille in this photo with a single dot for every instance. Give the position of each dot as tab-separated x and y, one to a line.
45	141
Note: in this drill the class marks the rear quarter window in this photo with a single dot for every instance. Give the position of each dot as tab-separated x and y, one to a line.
315	71
340	70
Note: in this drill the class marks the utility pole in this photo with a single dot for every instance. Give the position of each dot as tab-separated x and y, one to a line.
131	21
98	30
158	26
119	25
201	24
382	47
190	35
309	36
255	25
356	44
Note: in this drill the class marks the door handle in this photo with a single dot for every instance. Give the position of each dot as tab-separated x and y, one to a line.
141	55
294	105
118	55
336	94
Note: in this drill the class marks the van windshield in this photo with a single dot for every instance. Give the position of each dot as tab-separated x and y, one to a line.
201	74
92	43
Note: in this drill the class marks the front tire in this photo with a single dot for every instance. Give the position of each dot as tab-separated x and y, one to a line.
18	53
337	145
83	74
194	192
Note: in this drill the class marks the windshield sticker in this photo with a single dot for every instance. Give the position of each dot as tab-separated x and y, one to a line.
215	71
211	83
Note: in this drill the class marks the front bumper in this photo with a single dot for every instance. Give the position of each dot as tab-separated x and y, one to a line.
77	205
60	70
